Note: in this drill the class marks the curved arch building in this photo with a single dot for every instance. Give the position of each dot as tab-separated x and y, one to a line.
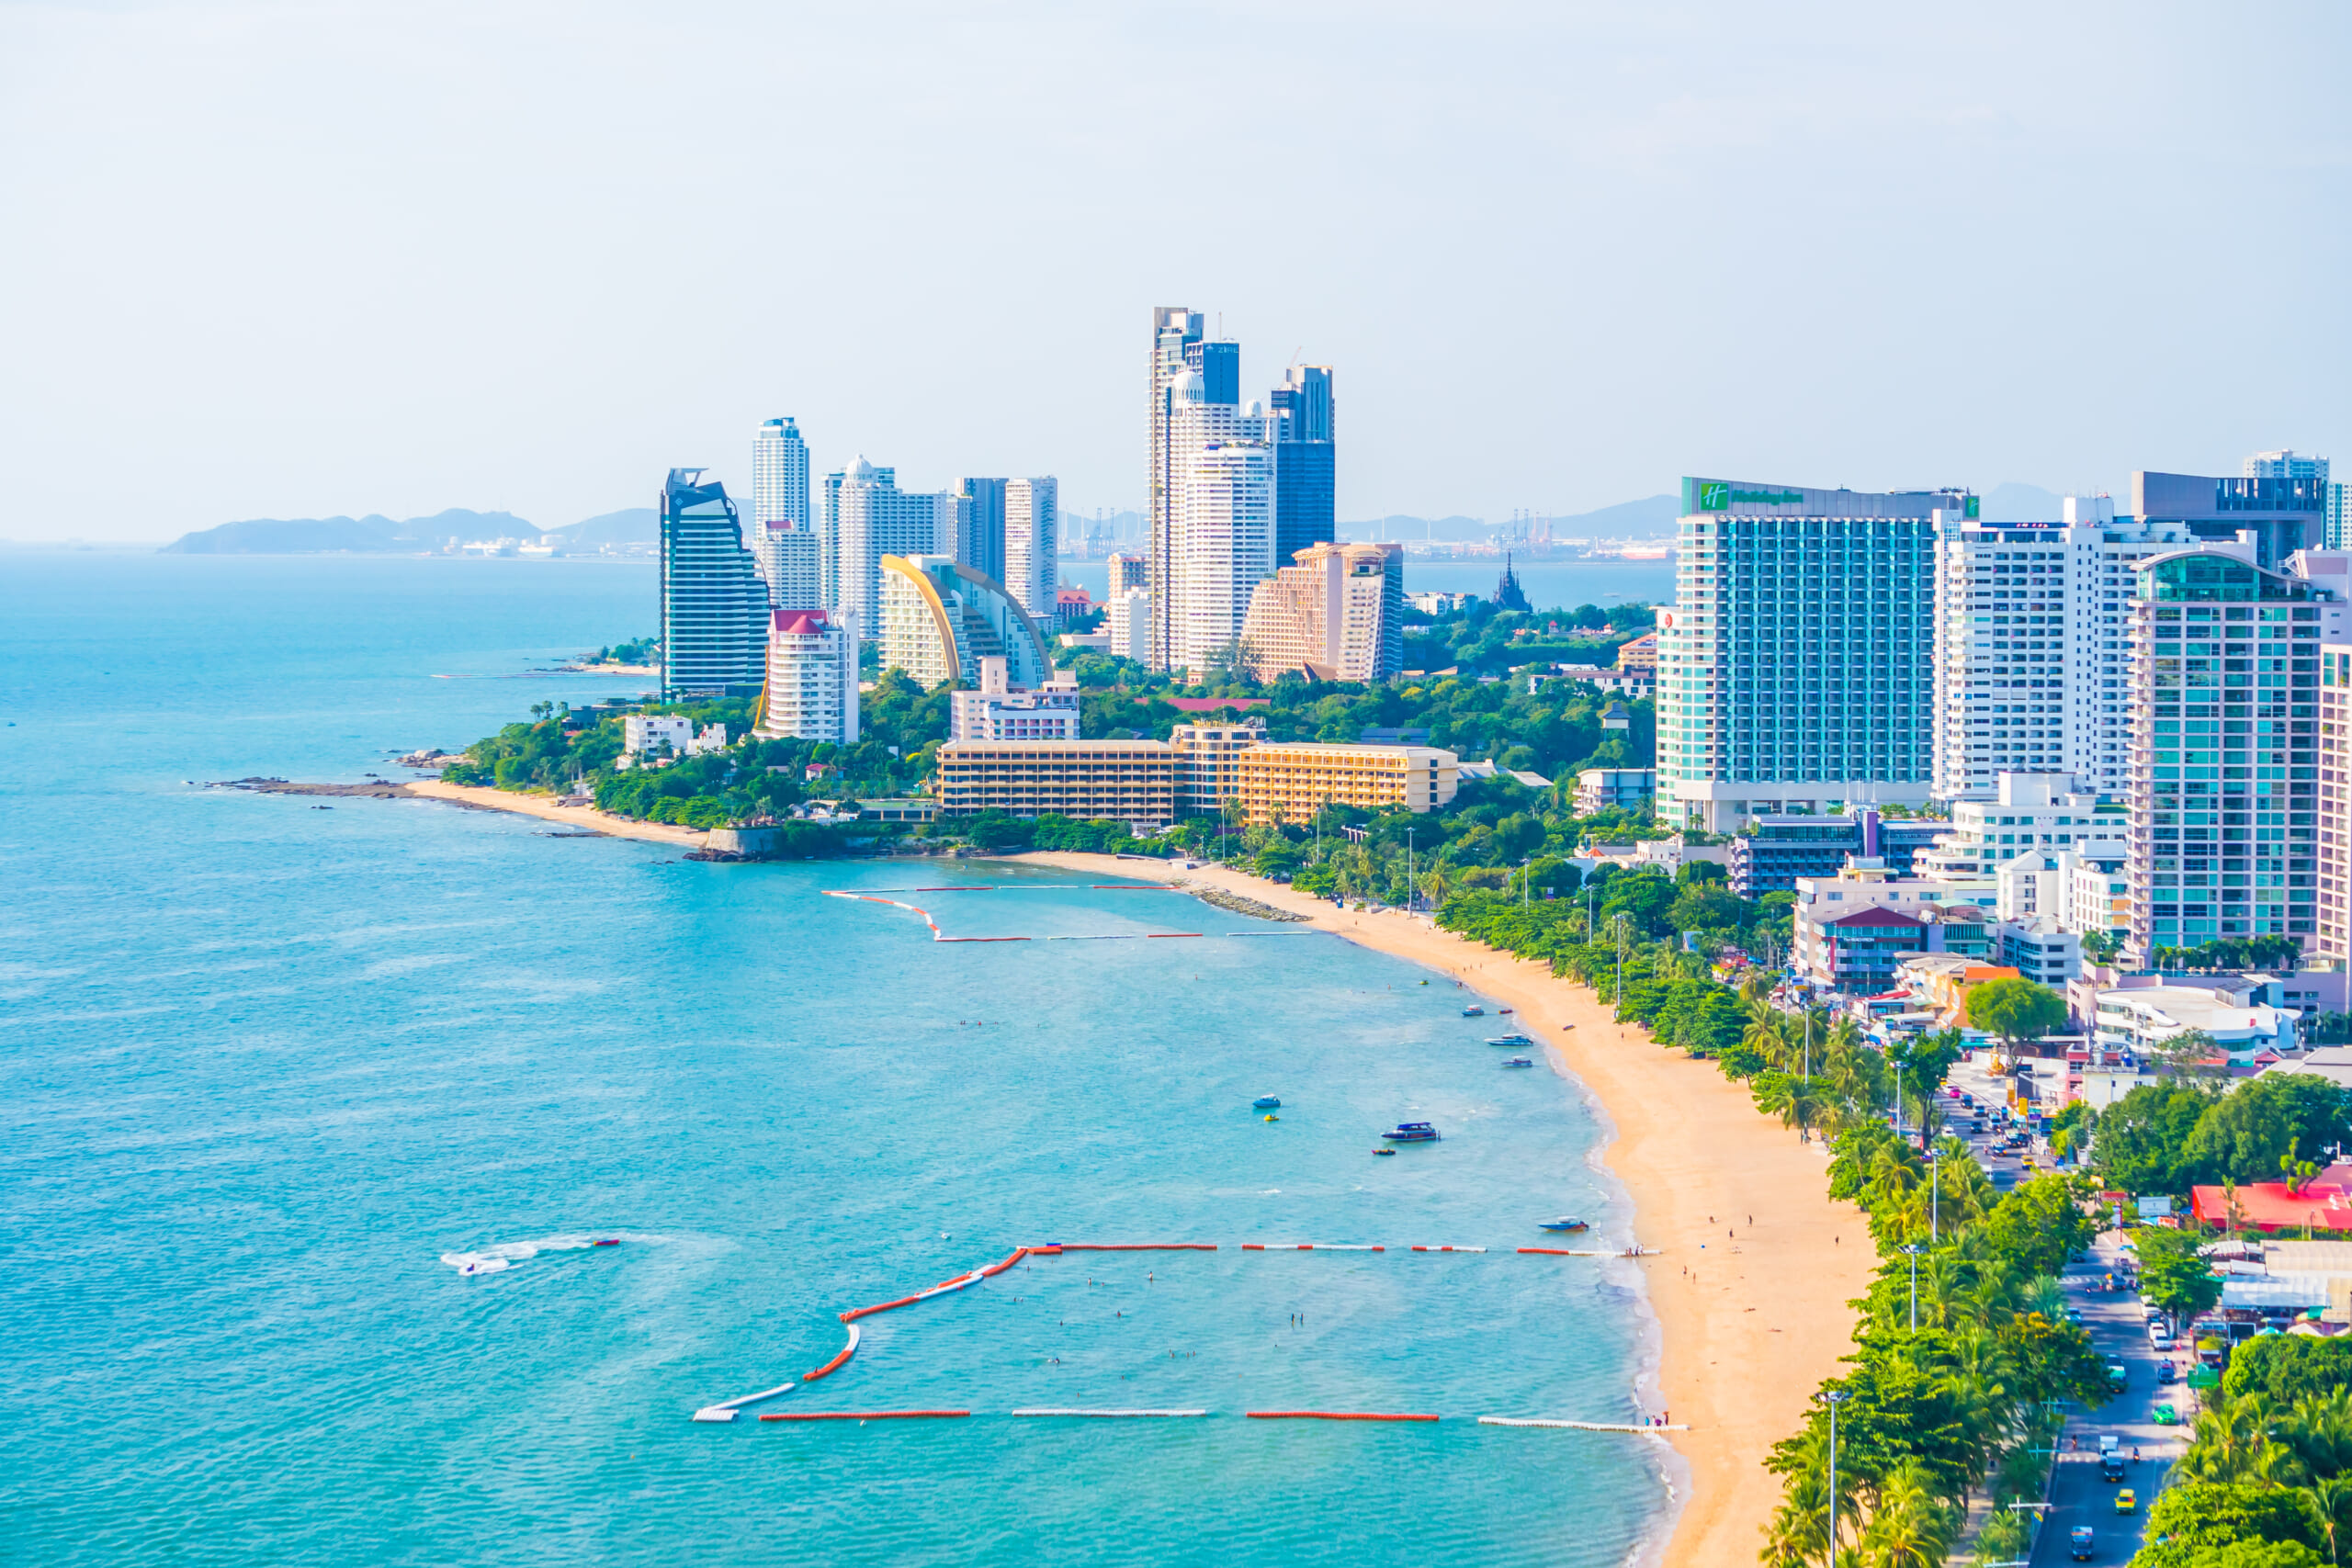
939	619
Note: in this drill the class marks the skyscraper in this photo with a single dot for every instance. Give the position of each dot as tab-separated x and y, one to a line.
867	516
781	539
1337	614
1032	523
811	690
1224	527
2286	515
1796	666
2030	652
2225	796
1174	330
714	606
1299	418
979	538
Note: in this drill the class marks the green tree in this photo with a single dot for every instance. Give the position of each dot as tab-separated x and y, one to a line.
2193	1519
2174	1273
2142	1135
2244	1135
2015	1009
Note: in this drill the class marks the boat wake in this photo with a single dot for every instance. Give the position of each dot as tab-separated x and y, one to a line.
504	1255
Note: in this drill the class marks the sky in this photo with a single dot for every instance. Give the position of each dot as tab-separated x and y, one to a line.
301	259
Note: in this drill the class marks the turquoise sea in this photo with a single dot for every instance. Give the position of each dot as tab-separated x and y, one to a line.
272	1074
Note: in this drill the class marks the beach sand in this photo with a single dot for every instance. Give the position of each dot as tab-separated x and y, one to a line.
573	816
1754	1272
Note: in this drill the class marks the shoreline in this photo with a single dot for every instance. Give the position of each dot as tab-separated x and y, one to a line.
1743	1342
484	797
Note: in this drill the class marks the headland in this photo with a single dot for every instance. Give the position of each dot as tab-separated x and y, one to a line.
1752	1273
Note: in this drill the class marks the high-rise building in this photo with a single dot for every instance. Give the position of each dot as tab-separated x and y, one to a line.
714	606
1336	615
811	692
1127	623
2226	745
1032	521
867	516
941	618
1174	332
794	566
1795	667
1225	546
2339	515
1299	418
2030	649
979	534
2284	465
1125	572
2285	515
780	475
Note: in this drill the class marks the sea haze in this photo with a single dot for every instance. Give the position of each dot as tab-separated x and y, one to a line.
276	1073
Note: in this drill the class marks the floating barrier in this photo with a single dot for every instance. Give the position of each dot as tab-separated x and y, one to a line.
1320	1415
1134	1247
1104	1414
1308	1246
725	1409
864	1414
1449	1249
1152	934
1591	1252
835	1364
1578	1426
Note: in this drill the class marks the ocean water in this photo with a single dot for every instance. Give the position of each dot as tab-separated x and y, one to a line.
273	1076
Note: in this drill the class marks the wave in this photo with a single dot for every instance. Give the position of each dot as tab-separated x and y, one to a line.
504	1255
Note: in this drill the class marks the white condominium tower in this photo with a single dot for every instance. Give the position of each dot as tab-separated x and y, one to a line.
2031	652
811	690
1032	520
867	516
1794	667
1224	543
783	542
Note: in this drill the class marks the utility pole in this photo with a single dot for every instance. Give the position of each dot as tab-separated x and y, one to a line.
1836	1397
1526	880
1913	1249
1935	1193
1412	893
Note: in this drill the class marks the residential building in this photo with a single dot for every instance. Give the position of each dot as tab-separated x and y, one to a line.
2334	812
2141	1014
979	539
1639	653
1439	603
941	618
1002	711
2224	791
1291	781
1634	683
1224	522
1178	347
2050	884
2284	465
2283	515
779	514
1773	853
1032	521
1797	665
1336	615
1119	780
1125	572
1617	789
1072	605
1855	952
1127	623
2338	527
643	733
811	692
1299	419
714	605
867	516
2029	653
2027	811
2099	896
1208	764
2040	949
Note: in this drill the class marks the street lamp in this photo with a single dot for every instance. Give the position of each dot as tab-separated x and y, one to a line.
1412	893
1836	1398
1935	1189
1913	1249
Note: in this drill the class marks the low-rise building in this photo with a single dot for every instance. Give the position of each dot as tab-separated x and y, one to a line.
2040	949
1773	851
1631	683
1639	653
1291	781
1002	711
1465	772
1120	781
1127	626
1856	951
642	733
1618	789
2141	1012
2029	811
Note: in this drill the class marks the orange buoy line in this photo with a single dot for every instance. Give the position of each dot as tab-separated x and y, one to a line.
1449	1249
1303	1416
1308	1246
1134	1247
835	1364
864	1414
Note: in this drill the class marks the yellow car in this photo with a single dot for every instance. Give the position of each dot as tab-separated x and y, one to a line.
2127	1501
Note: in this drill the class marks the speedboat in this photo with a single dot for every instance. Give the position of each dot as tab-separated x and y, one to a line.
1516	1062
1474	1011
1412	1132
1507	1040
1563	1224
1383	1151
1266	1102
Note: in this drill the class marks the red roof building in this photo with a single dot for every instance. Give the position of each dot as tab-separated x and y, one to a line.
2325	1203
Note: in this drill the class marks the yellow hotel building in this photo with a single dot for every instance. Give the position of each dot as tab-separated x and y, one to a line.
1152	782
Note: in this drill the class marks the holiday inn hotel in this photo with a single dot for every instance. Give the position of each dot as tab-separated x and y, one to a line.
1796	668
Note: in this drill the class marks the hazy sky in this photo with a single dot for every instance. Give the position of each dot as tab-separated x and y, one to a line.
285	260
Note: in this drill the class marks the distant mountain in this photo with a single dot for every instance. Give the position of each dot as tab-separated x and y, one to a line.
1649	516
2013	503
372	534
633	525
1652	514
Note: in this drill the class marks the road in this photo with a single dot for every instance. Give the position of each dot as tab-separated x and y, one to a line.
2119	1329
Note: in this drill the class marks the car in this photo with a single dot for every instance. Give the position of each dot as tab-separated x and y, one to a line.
2116	1374
2166	1372
2078	1542
2127	1501
2110	1467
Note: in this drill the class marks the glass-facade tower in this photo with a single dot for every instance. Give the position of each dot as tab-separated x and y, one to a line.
714	605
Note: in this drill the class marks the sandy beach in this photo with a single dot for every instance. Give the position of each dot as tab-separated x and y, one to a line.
1754	1272
544	806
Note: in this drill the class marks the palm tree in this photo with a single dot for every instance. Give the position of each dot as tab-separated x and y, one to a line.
2333	1495
1912	1528
1796	1102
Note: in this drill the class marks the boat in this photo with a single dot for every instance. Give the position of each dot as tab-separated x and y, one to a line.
1383	1151
1474	1011
1563	1224
1271	1117
608	1241
1267	1102
1509	1040
1503	1012
1412	1132
1516	1062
